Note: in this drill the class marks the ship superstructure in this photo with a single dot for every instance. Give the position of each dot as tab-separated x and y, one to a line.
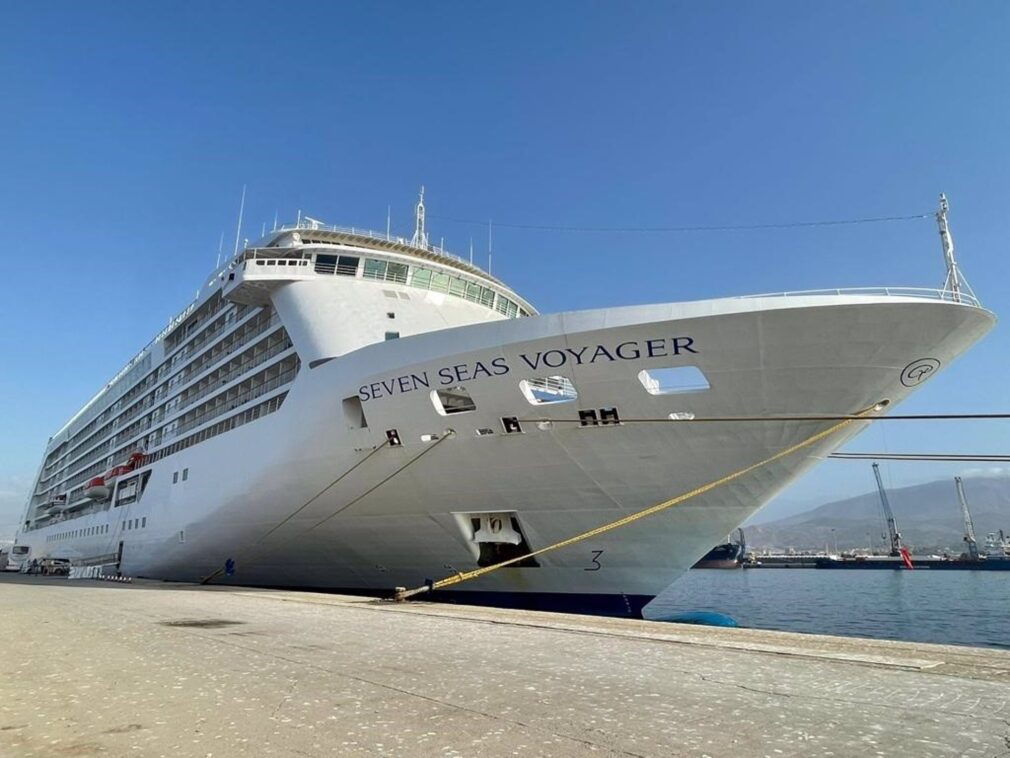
351	410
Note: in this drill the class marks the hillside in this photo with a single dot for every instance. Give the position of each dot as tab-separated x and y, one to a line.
928	518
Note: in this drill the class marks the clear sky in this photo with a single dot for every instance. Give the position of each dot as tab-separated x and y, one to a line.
128	130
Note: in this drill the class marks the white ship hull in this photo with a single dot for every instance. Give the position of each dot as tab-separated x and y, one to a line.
394	519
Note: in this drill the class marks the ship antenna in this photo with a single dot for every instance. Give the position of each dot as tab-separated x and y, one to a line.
471	251
220	248
420	238
389	220
238	229
489	246
275	221
955	282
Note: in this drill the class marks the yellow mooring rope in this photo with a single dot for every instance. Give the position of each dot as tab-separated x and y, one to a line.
463	576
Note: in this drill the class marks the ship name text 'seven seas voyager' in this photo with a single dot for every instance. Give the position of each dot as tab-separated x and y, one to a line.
350	410
553	358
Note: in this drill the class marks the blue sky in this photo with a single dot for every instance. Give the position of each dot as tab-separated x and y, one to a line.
129	130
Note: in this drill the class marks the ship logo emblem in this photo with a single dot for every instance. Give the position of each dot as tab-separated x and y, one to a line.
919	371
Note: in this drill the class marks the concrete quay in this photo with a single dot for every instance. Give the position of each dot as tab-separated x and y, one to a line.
155	669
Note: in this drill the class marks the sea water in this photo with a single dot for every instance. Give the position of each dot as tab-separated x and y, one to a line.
950	607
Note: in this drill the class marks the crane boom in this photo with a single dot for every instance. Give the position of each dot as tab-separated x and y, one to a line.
969	527
892	528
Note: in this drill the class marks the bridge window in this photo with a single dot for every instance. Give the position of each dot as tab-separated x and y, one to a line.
396	272
421	278
439	282
374	269
347	265
325	264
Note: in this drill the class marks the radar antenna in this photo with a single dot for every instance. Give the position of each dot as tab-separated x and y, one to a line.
420	238
955	282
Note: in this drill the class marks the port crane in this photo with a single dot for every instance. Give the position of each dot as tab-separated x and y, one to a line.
969	527
896	549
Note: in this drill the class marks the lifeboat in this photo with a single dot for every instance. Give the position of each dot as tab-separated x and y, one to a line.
115	472
96	488
135	459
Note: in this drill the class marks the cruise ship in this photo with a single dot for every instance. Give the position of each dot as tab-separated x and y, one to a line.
349	410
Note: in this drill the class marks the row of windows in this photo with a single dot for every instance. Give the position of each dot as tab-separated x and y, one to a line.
415	276
86	532
546	390
91	531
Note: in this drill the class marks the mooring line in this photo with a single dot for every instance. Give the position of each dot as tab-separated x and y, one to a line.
464	576
300	508
788	417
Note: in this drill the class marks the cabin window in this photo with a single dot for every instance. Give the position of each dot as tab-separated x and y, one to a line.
548	389
143	522
175	477
674	380
185	474
487	297
392	336
473	292
457	287
453	400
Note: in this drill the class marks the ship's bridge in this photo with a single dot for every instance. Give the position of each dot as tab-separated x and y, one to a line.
307	250
338	289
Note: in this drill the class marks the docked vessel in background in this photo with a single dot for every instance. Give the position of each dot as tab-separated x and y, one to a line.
728	555
994	557
350	410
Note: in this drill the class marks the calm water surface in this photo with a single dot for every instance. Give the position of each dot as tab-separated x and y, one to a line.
952	607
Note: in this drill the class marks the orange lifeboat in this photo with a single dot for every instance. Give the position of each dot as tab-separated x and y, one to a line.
96	488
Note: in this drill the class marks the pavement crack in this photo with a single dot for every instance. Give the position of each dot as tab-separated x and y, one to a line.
284	698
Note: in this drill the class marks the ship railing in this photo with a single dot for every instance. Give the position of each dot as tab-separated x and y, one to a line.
98	452
239	370
924	293
368	234
246	396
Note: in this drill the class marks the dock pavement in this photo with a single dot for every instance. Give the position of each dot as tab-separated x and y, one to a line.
91	668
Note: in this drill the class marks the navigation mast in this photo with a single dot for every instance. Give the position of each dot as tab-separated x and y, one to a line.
955	282
420	238
969	527
888	514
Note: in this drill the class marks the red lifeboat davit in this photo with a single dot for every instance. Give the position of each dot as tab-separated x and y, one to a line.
96	488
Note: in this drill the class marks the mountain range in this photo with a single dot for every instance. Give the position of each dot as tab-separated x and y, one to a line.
928	517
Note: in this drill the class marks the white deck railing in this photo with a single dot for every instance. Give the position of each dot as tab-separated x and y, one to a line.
367	233
924	293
